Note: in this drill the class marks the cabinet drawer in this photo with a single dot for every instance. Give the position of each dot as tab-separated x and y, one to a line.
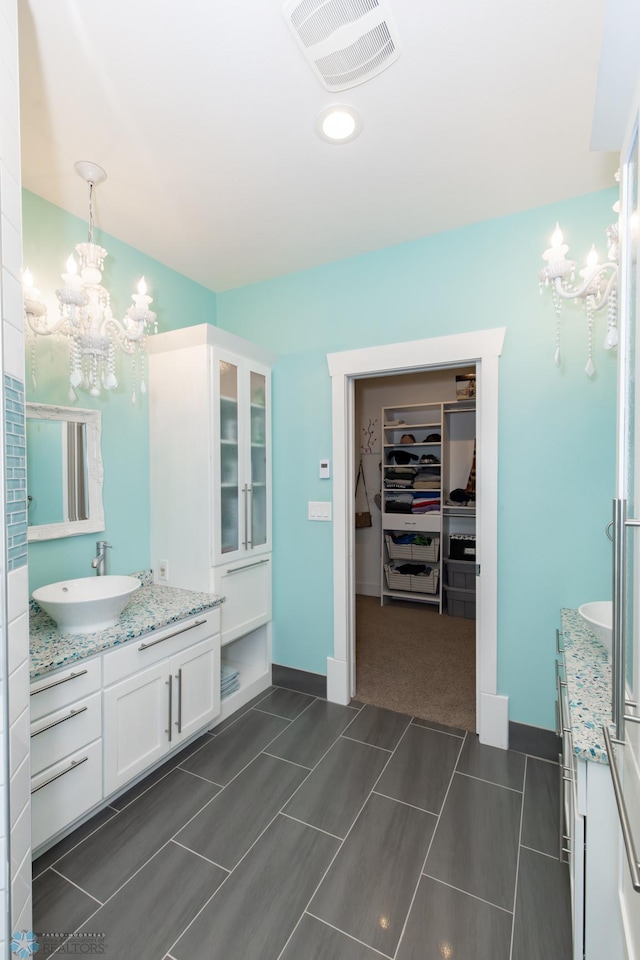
411	521
62	687
158	645
246	588
64	731
63	792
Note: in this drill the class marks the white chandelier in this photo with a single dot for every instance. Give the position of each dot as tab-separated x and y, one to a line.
598	287
85	316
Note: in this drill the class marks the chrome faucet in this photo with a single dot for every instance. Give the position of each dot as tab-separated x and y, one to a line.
99	562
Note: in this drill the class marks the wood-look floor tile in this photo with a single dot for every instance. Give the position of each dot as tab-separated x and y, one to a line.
420	769
53	854
153	909
253	914
314	940
285	703
378	727
542	924
333	795
367	891
106	859
540	817
156	775
59	906
233	821
234	717
312	733
441	727
475	847
505	767
230	751
445	922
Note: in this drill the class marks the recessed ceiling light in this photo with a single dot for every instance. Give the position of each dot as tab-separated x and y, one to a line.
338	123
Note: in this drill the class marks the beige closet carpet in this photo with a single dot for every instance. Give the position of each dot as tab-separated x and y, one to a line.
414	660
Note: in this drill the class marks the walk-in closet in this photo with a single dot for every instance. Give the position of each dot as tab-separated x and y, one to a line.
415	504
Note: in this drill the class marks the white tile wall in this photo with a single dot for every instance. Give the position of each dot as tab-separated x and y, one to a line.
18	598
18	642
14	637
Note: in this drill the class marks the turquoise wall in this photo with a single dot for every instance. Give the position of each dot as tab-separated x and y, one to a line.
557	427
49	236
556	432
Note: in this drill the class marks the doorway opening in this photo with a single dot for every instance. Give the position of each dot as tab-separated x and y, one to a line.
482	349
415	568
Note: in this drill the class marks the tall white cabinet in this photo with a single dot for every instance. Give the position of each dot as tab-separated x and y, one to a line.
210	481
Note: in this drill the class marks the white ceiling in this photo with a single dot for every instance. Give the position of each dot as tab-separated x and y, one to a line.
202	113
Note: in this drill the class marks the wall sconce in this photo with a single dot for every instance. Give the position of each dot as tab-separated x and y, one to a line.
597	290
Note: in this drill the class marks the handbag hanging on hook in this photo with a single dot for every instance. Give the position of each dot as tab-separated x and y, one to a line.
363	517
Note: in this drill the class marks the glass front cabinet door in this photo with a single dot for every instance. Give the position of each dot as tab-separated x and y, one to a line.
242	424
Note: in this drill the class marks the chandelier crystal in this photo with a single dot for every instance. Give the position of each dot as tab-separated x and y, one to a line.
597	289
85	318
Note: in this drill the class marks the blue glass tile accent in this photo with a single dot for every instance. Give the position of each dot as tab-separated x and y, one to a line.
16	472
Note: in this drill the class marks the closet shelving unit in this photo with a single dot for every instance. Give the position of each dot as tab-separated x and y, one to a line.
458	579
454	421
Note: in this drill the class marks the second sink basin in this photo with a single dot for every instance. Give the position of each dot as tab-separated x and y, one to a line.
599	615
88	604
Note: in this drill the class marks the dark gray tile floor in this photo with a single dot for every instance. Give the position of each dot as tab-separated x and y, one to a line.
302	829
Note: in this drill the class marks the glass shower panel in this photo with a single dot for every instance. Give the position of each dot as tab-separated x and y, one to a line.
632	455
229	481
258	395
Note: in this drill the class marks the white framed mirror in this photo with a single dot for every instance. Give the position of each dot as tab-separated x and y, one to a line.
64	472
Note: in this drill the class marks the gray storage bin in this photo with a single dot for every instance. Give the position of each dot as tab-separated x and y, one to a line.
461	574
461	603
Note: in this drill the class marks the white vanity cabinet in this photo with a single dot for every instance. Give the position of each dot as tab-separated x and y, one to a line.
158	692
588	815
66	748
105	721
210	476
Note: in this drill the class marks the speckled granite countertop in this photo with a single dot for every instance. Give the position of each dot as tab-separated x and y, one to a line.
150	608
588	676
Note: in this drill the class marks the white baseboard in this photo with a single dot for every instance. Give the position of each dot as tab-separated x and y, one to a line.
368	589
338	681
493	720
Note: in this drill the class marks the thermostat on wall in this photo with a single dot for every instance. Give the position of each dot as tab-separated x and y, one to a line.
325	469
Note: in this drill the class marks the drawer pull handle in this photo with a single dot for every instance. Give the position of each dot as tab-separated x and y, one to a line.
69	716
56	683
72	766
197	623
170	685
179	720
559	646
257	563
561	815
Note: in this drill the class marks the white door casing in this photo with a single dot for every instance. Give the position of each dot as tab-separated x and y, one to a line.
483	347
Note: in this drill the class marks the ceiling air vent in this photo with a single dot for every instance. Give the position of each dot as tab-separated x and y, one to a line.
345	41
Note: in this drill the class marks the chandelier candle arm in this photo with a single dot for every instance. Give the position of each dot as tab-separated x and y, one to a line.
85	315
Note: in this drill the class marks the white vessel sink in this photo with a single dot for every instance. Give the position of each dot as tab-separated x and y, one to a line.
599	615
88	604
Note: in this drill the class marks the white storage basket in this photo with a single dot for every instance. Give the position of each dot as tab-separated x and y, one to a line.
427	583
426	553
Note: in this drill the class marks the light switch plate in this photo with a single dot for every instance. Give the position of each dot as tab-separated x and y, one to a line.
325	469
319	510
